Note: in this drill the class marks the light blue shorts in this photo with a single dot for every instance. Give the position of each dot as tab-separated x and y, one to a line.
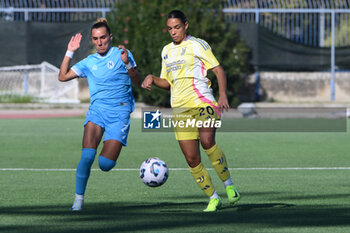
115	123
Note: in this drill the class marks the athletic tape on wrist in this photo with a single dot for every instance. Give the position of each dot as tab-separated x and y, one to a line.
128	66
69	54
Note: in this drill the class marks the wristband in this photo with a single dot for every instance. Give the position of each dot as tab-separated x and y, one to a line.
128	66
69	54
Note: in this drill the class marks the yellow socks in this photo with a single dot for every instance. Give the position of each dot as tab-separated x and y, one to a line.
218	159
201	175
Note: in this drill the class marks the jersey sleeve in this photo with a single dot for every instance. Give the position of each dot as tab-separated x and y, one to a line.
131	59
80	68
163	72
205	54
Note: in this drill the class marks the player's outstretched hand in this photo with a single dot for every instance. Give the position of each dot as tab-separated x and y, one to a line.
74	43
147	83
124	54
223	104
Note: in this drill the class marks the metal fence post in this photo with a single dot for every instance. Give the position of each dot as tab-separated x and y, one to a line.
257	74
332	84
321	26
25	82
26	16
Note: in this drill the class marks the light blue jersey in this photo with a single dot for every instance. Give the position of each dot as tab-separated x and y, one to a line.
111	96
109	81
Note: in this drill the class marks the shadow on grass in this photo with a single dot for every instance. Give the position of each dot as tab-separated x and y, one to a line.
169	217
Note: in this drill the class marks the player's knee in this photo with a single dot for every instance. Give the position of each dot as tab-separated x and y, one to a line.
193	161
207	143
105	163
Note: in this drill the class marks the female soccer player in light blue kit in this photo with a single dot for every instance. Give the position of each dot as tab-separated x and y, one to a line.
109	73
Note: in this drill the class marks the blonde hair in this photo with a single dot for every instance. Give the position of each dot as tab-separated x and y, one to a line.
101	22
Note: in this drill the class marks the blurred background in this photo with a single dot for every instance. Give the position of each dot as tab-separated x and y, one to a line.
273	51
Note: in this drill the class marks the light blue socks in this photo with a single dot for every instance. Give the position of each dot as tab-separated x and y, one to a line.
83	169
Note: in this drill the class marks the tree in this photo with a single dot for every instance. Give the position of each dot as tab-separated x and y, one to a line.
141	26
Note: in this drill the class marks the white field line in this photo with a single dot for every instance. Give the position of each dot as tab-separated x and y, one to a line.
180	169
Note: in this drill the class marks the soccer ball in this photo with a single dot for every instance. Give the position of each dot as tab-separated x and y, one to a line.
154	172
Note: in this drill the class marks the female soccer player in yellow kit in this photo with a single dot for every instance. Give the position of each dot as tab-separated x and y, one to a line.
185	62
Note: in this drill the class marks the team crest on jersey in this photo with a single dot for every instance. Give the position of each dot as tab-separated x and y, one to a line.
110	65
94	67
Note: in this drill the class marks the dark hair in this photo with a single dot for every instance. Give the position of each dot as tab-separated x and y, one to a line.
177	14
101	22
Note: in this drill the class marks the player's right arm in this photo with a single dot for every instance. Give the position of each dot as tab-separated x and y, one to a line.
66	73
159	82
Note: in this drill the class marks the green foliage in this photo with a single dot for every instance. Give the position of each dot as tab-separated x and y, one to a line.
18	99
141	26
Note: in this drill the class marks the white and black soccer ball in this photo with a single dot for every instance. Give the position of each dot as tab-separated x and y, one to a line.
154	172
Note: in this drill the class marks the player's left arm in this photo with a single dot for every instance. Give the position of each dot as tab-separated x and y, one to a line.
135	76
132	71
211	63
221	77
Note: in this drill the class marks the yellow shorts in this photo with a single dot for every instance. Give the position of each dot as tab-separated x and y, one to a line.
189	120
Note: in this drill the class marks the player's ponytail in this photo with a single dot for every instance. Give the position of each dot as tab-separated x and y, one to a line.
101	22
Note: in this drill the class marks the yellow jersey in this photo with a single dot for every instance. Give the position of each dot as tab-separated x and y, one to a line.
185	67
